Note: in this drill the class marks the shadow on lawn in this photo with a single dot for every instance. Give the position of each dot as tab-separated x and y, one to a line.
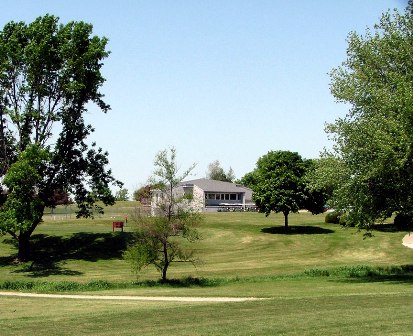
392	228
296	230
394	274
48	252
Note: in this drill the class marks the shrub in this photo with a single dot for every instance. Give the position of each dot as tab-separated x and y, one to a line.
333	217
343	220
403	220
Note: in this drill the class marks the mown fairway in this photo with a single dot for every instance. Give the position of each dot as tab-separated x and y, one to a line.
248	255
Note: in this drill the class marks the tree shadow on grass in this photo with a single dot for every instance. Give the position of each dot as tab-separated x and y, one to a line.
297	230
364	274
391	228
393	274
394	279
50	252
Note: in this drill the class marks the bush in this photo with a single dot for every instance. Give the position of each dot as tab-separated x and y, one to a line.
403	220
343	220
333	217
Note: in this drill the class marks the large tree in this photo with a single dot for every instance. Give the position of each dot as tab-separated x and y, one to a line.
374	141
157	237
279	184
49	76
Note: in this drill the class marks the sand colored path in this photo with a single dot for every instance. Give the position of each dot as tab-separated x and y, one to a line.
131	298
408	240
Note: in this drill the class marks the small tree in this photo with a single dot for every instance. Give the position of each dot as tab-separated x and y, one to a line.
279	185
156	240
143	194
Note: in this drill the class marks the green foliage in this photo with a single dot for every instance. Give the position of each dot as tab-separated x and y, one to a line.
217	173
49	73
143	194
333	217
122	195
315	195
155	241
58	286
364	271
344	220
248	180
23	207
280	184
373	147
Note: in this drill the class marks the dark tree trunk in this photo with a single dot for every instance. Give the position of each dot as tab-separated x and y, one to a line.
24	247
286	220
24	253
166	261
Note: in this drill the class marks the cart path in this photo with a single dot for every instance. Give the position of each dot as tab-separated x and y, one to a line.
131	297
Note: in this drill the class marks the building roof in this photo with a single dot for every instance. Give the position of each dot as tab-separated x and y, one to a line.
216	186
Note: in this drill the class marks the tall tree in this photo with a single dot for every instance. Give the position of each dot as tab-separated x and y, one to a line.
373	142
49	73
217	173
279	183
157	237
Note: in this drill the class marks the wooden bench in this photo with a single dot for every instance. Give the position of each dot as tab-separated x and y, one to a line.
117	225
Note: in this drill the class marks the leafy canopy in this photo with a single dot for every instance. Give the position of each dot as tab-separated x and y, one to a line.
217	173
157	237
373	149
49	74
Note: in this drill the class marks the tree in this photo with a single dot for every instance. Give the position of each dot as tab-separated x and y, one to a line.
248	180
49	74
122	195
217	173
59	198
373	142
143	194
316	195
279	183
156	240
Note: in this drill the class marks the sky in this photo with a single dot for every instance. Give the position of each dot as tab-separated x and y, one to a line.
225	80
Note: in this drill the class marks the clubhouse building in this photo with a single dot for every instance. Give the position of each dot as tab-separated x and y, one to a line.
210	196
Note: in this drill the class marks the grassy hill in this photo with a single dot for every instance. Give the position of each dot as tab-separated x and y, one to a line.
317	279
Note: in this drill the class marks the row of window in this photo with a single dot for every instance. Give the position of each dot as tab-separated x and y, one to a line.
226	196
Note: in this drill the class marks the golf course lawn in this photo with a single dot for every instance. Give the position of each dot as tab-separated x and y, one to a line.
318	279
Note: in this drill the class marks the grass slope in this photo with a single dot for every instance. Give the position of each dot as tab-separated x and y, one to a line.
311	277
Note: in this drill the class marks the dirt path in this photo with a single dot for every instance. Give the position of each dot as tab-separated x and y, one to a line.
131	298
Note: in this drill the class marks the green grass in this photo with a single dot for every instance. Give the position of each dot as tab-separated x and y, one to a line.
318	279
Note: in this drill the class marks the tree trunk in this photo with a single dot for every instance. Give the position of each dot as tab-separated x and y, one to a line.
24	247
286	220
166	262
24	253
